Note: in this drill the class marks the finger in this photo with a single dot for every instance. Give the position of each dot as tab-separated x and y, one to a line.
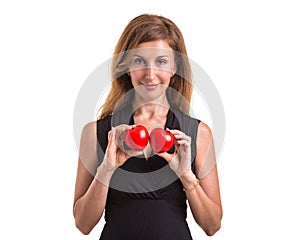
182	137
121	157
179	134
184	141
123	127
111	146
175	131
111	135
120	132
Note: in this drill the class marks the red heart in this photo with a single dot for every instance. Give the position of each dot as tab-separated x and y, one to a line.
136	138
161	140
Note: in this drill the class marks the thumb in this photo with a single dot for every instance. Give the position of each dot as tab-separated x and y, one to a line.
111	138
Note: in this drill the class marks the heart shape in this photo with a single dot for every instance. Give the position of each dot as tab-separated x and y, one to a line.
161	140
136	138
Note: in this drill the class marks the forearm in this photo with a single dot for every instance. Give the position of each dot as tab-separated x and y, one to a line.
206	213
89	208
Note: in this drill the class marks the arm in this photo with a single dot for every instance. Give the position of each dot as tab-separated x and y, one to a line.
90	193
90	198
204	198
92	182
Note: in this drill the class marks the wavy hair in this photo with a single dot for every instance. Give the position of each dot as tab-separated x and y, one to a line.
146	28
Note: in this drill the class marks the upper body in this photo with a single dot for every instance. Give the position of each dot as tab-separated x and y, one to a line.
155	77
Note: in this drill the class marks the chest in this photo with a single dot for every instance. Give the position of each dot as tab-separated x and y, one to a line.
150	124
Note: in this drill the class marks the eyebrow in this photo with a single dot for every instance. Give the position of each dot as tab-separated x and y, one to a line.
162	56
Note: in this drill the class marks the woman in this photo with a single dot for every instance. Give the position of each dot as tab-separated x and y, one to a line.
144	193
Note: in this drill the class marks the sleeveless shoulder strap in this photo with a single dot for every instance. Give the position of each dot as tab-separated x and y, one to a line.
189	126
103	127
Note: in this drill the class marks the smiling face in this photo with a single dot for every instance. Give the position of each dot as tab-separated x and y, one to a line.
151	68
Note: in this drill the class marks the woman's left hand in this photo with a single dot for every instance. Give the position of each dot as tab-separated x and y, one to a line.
180	160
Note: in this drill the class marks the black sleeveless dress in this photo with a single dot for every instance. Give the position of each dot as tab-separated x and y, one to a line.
145	199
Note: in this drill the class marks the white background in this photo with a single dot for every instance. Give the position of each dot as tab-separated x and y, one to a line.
250	50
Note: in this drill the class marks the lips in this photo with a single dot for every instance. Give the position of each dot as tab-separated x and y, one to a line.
150	86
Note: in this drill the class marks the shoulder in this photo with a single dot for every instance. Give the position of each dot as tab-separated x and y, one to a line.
93	128
90	125
88	136
88	148
89	128
205	157
204	132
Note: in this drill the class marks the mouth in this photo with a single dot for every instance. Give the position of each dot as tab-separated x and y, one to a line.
150	86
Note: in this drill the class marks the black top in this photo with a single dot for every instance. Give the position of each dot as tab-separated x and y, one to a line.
145	198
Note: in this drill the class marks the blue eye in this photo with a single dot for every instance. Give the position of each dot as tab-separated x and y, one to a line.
139	61
161	62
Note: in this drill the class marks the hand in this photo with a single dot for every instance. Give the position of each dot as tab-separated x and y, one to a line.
115	154
180	160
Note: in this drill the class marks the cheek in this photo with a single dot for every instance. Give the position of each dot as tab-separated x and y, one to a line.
137	74
165	77
136	77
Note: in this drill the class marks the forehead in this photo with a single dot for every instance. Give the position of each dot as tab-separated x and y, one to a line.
154	49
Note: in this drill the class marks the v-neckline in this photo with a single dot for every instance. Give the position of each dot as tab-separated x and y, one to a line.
166	125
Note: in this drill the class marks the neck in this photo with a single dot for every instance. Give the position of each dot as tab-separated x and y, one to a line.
158	106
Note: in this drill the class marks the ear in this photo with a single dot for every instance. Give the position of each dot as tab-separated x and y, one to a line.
174	70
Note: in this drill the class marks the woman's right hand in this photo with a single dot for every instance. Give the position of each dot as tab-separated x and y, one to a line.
115	155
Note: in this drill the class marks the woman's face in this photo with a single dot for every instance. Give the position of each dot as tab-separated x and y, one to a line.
151	68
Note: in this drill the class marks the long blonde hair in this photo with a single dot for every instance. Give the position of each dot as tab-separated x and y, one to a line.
146	28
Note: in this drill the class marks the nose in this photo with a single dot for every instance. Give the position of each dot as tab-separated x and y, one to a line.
150	73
